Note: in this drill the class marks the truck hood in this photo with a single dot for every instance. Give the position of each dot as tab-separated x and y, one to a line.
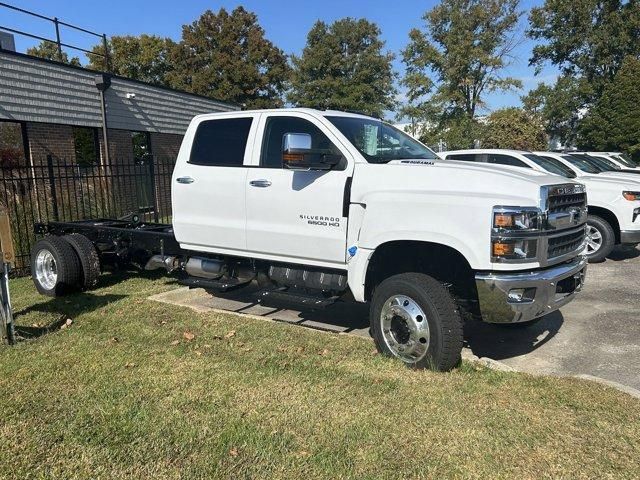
613	181
501	184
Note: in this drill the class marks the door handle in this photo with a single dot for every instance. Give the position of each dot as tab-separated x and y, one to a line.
260	183
186	180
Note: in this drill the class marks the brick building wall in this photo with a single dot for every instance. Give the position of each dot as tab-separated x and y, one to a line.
49	139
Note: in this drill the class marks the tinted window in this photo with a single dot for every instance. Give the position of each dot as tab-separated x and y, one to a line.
583	163
379	142
275	130
505	160
551	165
221	142
464	157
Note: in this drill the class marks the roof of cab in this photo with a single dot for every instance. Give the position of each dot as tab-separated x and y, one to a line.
312	111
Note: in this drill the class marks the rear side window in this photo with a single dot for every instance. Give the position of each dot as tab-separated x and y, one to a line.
221	143
506	160
465	157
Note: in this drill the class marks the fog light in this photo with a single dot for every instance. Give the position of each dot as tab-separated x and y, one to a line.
519	295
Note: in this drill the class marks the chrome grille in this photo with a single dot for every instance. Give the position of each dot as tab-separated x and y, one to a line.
567	242
561	198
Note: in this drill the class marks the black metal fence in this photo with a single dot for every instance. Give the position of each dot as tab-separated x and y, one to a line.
55	189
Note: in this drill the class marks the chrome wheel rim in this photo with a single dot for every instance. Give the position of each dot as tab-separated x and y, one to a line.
46	270
405	328
594	240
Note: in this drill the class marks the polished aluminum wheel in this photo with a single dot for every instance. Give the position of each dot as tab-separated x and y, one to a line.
46	271
594	240
405	328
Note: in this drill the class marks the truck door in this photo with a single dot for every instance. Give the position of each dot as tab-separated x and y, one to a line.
208	191
296	215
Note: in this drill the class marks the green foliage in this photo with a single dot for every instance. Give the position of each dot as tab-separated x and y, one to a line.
144	58
558	106
49	50
344	67
455	133
227	57
587	38
613	124
458	56
514	128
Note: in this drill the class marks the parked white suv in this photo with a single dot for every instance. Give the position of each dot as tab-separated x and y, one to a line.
316	206
616	158
613	200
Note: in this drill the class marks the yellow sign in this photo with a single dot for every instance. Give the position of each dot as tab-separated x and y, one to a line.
6	242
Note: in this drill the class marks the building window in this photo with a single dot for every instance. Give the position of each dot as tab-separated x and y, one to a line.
141	145
13	150
86	144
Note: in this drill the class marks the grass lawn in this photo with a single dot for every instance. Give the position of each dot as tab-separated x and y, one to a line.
138	389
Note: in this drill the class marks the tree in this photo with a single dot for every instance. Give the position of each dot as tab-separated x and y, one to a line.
227	57
142	58
459	133
514	128
559	106
343	67
613	124
49	50
586	38
458	57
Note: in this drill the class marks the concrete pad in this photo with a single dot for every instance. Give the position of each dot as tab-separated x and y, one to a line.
596	335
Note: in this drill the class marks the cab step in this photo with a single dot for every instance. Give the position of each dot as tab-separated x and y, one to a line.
295	298
220	285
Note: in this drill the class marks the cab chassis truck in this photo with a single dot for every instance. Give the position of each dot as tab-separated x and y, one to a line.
319	206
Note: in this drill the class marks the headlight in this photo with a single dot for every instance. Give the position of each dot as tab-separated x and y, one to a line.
631	195
516	219
513	249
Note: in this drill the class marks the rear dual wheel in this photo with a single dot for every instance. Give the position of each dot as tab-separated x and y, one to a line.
60	265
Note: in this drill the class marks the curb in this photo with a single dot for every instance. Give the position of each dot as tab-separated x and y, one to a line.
610	383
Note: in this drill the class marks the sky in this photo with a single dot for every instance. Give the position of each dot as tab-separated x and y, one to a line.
286	23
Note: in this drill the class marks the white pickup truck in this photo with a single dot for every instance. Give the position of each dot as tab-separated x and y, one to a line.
613	197
316	206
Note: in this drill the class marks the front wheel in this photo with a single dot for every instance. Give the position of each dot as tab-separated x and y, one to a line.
414	318
600	239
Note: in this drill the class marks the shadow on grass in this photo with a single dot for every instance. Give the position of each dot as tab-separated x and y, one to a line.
506	341
64	308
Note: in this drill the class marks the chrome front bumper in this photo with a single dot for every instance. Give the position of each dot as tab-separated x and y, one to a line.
522	296
630	236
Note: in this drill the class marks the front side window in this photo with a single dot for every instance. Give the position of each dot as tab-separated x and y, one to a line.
85	140
12	145
505	160
275	130
464	157
551	165
379	142
221	143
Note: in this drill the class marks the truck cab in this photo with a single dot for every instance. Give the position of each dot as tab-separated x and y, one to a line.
614	210
304	191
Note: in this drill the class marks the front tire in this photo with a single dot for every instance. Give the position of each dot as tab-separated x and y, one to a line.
414	318
600	239
55	267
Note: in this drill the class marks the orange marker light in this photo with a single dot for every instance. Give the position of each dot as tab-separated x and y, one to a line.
502	249
502	220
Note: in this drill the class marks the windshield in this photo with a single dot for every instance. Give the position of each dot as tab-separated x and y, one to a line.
584	163
604	164
379	142
624	159
551	165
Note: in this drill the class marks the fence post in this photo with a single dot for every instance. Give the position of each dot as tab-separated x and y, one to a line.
52	186
152	177
58	42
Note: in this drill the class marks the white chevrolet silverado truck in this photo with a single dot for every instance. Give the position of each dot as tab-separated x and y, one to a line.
319	206
613	198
